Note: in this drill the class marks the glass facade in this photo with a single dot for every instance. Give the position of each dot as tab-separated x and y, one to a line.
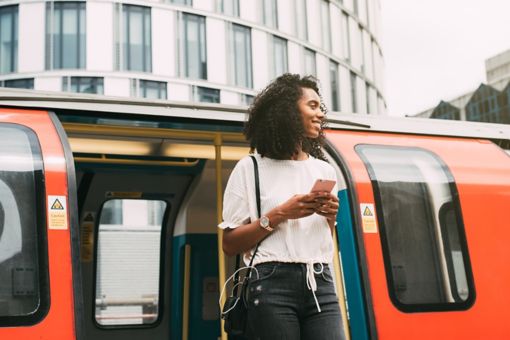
195	53
65	35
8	39
178	53
136	38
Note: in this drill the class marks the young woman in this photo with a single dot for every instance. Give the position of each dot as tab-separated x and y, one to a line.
291	294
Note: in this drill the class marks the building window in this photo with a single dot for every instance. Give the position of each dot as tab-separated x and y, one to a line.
182	2
270	13
206	95
326	25
228	7
8	39
24	285
152	89
194	50
83	84
310	64
335	92
421	229
280	56
26	83
367	97
354	93
65	35
355	7
135	259
241	52
301	21
134	42
346	39
247	99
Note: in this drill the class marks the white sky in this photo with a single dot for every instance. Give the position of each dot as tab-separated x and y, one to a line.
436	49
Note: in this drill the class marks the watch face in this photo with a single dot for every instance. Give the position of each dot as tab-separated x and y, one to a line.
264	221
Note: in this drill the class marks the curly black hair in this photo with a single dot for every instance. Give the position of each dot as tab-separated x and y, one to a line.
275	125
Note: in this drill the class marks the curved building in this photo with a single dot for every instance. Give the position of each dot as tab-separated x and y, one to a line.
194	50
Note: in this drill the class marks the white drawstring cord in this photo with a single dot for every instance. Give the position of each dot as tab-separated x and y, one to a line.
237	284
310	280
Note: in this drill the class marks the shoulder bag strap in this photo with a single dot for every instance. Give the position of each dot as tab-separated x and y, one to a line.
238	256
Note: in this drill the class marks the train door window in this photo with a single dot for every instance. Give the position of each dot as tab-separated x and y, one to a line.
422	233
24	286
128	262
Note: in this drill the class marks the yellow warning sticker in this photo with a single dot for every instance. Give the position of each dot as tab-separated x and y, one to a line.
368	218
57	212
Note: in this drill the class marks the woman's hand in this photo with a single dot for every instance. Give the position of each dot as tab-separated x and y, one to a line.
300	206
327	206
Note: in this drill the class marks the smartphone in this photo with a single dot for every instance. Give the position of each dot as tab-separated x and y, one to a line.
323	185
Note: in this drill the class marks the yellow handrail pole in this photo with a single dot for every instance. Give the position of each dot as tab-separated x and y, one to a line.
219	212
185	293
340	286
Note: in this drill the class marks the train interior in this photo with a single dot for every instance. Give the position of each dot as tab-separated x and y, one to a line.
148	229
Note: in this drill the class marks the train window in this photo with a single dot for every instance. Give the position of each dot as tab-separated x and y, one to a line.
128	262
421	229
24	288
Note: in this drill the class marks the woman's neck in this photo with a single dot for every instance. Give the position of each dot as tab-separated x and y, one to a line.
300	155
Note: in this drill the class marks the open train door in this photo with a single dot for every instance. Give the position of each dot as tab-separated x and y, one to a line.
429	253
36	201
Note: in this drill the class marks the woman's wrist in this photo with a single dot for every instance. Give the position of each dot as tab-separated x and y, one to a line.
276	216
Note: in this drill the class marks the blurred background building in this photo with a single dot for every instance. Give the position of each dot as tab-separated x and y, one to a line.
220	51
488	103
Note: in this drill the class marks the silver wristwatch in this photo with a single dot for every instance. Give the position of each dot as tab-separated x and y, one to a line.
264	223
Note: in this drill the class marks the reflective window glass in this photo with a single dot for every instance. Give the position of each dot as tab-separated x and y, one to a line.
24	294
335	94
241	50
65	34
310	64
87	85
8	39
195	53
136	38
25	83
207	95
128	262
421	229
152	89
326	25
270	13
228	7
280	65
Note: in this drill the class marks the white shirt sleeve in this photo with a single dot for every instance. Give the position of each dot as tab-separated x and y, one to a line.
236	209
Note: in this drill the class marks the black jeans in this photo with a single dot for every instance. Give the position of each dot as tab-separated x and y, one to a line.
280	305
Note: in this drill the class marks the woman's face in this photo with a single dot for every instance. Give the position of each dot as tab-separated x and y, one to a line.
309	107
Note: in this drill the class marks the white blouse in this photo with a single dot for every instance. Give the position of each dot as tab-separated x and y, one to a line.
306	240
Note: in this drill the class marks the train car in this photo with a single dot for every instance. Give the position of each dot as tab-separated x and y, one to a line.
109	210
